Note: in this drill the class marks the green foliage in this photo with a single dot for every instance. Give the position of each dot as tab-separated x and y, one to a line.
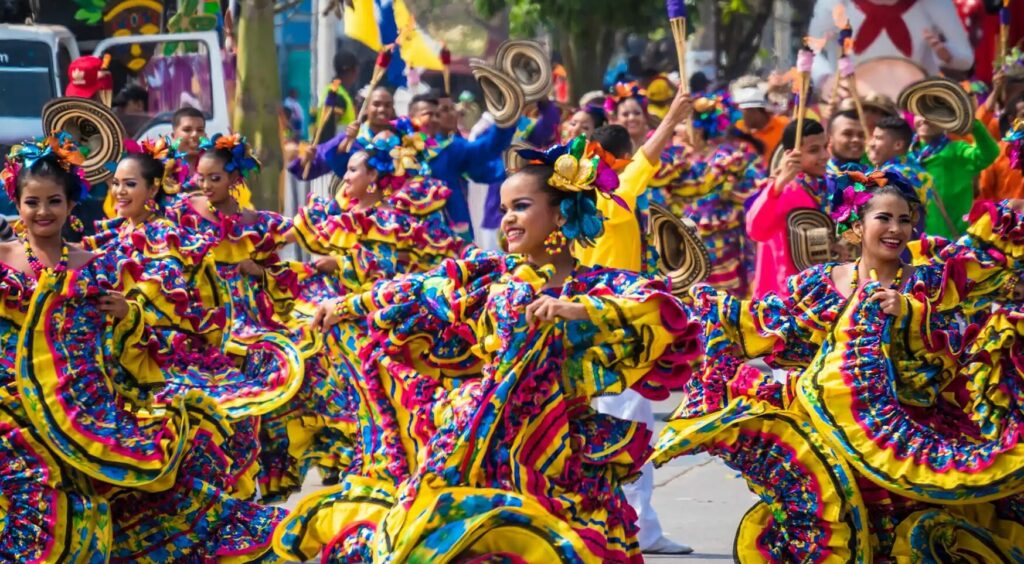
574	16
732	8
90	11
194	15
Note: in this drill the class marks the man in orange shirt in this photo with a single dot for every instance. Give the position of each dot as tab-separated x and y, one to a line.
1001	180
757	121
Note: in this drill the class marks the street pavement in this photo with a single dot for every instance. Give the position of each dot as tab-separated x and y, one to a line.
698	499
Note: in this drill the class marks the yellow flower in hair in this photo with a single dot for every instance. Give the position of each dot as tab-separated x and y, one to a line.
406	155
573	174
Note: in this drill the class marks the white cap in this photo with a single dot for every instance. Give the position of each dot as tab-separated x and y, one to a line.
749	98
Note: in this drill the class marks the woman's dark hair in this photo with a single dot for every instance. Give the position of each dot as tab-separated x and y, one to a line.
152	172
222	155
573	206
811	127
597	114
906	194
50	169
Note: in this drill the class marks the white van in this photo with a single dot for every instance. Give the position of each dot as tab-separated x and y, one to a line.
178	69
34	63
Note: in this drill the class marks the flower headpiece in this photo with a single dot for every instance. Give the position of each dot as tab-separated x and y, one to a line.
714	114
1013	63
396	157
242	160
60	148
411	154
1015	139
579	167
852	189
164	152
623	91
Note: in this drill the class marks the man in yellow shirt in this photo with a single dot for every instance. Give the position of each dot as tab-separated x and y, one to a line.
621	245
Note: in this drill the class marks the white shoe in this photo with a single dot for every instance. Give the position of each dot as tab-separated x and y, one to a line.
665	546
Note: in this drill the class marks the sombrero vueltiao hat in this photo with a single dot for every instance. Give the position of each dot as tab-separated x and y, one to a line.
528	63
811	235
95	129
681	254
942	102
513	161
502	94
776	160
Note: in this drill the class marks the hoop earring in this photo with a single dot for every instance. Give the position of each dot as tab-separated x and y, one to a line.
151	206
76	224
555	242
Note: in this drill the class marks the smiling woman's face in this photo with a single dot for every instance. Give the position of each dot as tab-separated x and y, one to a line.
529	214
130	189
630	114
43	206
886	227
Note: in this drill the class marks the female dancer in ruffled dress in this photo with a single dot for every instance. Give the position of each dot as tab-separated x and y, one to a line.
243	244
181	299
387	220
503	354
92	471
709	181
896	434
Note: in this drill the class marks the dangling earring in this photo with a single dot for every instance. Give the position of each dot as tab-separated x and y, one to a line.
234	190
372	188
555	242
851	237
151	206
76	224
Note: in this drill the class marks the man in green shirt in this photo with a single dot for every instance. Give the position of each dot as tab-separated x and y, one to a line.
953	165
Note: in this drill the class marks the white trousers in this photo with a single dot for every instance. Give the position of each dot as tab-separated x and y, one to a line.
632	406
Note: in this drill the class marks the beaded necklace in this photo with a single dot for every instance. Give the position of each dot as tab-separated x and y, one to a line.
37	265
855	281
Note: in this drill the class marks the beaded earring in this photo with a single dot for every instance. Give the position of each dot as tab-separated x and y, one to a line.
151	206
76	224
372	188
555	242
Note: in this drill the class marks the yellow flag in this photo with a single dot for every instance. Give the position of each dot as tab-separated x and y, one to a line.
417	48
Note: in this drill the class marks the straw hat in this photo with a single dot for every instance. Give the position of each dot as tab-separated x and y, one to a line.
776	160
95	129
811	236
528	63
681	254
513	161
942	102
874	101
502	94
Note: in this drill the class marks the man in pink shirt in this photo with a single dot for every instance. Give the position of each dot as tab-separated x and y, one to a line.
799	183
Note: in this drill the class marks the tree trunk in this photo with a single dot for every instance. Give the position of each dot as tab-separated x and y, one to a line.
744	33
586	52
258	98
